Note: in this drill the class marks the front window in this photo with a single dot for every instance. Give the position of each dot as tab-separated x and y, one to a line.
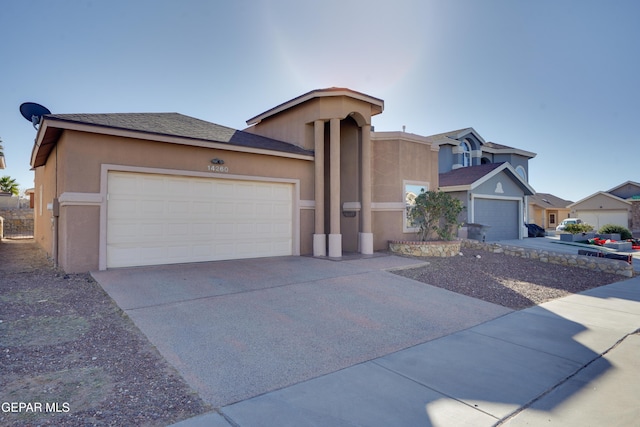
523	174
412	189
466	153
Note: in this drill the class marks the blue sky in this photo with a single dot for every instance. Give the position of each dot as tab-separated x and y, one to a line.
559	78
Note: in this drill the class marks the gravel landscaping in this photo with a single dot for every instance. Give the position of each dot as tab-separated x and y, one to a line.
66	346
71	354
509	281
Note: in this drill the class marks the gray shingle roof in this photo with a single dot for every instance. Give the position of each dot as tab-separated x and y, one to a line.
179	125
547	200
466	175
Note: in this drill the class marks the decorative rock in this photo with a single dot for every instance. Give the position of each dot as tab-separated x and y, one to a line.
605	265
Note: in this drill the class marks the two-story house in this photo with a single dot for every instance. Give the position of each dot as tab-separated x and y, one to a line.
490	179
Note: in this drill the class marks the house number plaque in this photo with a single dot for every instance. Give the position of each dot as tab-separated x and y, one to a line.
218	168
217	165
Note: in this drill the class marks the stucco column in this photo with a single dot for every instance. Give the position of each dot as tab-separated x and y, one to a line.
335	238
366	236
319	237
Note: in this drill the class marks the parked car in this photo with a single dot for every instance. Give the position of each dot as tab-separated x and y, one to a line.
535	230
564	223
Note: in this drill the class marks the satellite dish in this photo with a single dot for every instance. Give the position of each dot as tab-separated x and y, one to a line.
33	112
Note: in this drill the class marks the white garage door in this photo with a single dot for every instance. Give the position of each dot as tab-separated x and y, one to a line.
600	218
501	215
164	219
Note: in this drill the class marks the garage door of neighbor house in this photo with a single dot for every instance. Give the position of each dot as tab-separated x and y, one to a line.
501	215
165	219
600	218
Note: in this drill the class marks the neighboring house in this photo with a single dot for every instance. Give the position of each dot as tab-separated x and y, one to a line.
547	210
488	178
619	205
307	177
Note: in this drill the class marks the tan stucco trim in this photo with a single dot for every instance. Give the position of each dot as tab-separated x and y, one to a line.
378	104
307	204
80	199
106	168
404	136
158	138
388	206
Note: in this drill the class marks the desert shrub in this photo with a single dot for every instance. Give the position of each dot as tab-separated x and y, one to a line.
578	228
618	229
435	212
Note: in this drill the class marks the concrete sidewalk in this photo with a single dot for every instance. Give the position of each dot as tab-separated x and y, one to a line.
571	362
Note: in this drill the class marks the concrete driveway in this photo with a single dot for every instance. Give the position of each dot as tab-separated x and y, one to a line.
238	329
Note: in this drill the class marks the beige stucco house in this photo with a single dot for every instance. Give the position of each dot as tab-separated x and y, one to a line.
307	177
547	210
619	205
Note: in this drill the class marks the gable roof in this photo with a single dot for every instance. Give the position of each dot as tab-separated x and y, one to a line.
600	193
376	103
548	201
468	178
452	137
466	175
624	184
163	127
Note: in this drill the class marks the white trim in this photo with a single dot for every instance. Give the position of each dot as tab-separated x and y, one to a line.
307	204
80	199
106	168
517	151
351	206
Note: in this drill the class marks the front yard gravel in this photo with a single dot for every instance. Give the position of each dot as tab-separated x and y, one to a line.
68	351
506	280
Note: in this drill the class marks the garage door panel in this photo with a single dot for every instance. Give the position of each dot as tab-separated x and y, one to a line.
599	218
157	219
501	215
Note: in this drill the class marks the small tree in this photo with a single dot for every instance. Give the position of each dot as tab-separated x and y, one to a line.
9	185
435	212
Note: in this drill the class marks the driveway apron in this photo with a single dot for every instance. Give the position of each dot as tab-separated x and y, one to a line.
238	329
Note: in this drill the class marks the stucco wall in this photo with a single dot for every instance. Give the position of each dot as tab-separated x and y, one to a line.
398	157
75	167
296	124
